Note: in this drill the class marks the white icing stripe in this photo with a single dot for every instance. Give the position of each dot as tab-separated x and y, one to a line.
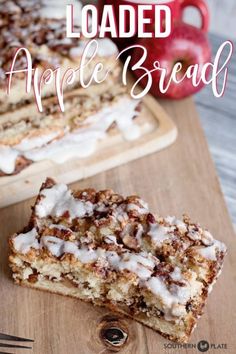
207	238
32	143
8	157
140	264
172	220
140	210
208	253
173	298
173	302
79	144
135	263
58	200
176	274
24	242
211	251
158	233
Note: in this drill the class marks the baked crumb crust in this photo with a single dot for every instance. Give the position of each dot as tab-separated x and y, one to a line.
111	251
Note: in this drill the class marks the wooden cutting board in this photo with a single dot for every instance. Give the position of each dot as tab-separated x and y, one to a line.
179	179
157	132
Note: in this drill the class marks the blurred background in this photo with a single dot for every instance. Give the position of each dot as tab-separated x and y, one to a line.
223	13
218	115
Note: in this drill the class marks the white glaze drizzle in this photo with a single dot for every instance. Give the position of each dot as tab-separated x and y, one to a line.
8	157
158	233
35	142
141	210
58	200
210	252
140	264
24	242
170	301
173	221
176	274
159	288
173	297
79	144
207	238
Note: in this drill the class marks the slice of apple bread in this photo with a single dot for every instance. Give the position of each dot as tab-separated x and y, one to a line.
111	251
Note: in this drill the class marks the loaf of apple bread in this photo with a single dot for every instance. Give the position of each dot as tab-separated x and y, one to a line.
28	136
112	251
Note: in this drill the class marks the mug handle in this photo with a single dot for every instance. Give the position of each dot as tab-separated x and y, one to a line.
201	7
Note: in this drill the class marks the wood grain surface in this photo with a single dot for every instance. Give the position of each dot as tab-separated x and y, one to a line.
157	132
180	179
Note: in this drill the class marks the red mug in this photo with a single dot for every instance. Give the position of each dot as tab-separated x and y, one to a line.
177	8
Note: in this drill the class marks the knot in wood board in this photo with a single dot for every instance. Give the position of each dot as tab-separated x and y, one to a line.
113	332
